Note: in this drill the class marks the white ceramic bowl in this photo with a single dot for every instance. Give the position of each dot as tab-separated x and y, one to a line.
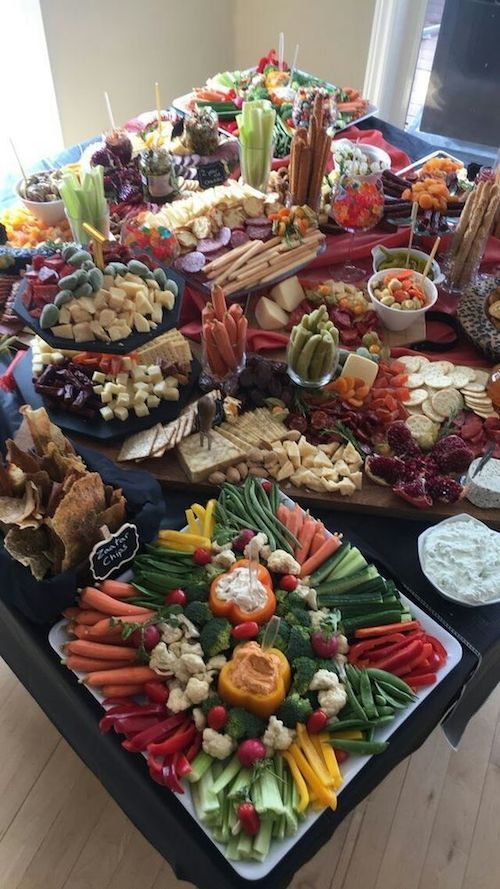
400	319
379	255
49	212
371	152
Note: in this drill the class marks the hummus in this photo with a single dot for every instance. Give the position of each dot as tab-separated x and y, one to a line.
235	587
254	670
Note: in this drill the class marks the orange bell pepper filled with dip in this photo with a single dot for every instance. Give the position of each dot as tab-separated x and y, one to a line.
243	593
256	678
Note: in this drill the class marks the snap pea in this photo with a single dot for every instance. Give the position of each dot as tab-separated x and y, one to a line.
367	695
353	676
365	748
386	711
380	700
391	680
353	701
398	704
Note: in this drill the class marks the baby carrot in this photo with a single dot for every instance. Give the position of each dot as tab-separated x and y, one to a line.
72	613
121	691
117	589
101	650
87	664
88	618
104	627
121	676
218	301
93	598
327	549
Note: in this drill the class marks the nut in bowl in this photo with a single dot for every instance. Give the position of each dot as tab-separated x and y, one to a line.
388	258
40	195
391	292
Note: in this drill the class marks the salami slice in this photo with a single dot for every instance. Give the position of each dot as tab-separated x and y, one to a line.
209	245
259	220
191	262
258	232
239	237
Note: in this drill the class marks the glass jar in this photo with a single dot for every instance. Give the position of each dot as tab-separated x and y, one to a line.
201	131
159	179
118	143
357	206
493	386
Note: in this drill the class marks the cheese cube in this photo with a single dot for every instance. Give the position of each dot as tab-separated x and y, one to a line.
64	315
121	413
269	315
123	399
98	389
63	330
37	368
157	313
122	379
88	303
288	294
151	283
152	401
159	389
360	367
171	381
106	397
166	298
142	304
108	282
127	363
138	373
142	385
171	394
154	373
141	409
106	317
98	377
57	358
106	413
113	388
140	323
140	396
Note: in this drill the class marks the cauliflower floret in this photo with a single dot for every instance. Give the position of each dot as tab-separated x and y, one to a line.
190	631
191	648
220	547
318	617
324	680
277	736
308	594
331	700
178	700
199	718
224	559
342	644
175	648
259	540
217	745
197	690
216	663
283	563
162	660
193	663
170	634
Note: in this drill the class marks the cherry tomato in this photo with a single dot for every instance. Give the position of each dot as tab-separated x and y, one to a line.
156	692
247	630
288	582
267	485
202	556
217	717
250	821
317	722
176	597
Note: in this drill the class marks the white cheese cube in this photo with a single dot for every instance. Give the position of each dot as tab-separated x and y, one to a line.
98	389
123	400
141	324
121	413
154	373
288	294
171	382
113	388
138	372
122	379
127	363
107	413
159	389
363	368
106	397
157	313
171	394
141	409
269	315
98	377
142	385
140	396
57	357
152	401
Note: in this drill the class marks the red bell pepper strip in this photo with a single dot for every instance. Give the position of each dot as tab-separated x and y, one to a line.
368	645
403	657
156	733
181	765
366	632
170	777
116	713
380	653
194	748
134	724
416	680
175	743
439	649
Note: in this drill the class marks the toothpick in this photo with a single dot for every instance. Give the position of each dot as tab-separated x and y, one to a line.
23	174
414	211
294	63
158	105
281	51
431	257
109	110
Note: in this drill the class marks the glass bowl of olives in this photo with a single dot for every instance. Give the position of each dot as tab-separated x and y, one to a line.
40	195
395	257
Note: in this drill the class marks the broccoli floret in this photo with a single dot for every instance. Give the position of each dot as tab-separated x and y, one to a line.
198	612
295	600
281	640
299	644
197	593
215	636
294	709
243	724
326	664
304	669
213	700
298	617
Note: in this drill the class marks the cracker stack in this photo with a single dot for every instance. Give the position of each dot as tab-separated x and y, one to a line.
172	347
308	159
474	228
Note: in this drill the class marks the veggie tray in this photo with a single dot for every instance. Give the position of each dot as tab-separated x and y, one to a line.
96	427
255	804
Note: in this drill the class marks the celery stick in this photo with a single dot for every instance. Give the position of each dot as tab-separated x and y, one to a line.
208	800
262	841
232	849
245	844
266	796
199	765
228	773
242	781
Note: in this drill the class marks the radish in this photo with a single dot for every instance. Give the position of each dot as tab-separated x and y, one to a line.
251	751
243	539
324	644
149	636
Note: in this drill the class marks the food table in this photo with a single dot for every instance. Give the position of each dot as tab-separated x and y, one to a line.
157	813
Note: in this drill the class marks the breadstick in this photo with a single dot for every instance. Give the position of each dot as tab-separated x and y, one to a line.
221	261
479	208
241	259
304	171
479	243
299	260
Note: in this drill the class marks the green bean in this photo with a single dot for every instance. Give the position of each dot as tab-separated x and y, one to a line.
365	748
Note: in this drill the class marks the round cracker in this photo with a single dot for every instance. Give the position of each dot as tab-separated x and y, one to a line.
437	380
423	430
415	381
411	363
459	379
481	376
467	371
473	388
417	396
447	401
429	411
479	398
484	414
444	367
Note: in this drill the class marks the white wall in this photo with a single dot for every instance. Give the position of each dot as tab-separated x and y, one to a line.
123	46
334	35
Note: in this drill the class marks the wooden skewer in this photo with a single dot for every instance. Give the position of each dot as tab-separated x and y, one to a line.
414	211
431	257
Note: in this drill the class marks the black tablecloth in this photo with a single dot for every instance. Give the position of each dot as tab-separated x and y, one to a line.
155	811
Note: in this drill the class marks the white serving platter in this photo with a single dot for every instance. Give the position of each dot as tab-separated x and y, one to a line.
426	535
421	161
254	870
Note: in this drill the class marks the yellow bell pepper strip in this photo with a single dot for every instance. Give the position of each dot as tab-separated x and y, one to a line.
209	523
352	734
323	794
299	782
229	609
192	523
184	537
200	513
330	759
315	760
247	666
178	547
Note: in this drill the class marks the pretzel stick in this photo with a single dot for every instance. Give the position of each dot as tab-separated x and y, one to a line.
302	260
242	258
262	261
221	261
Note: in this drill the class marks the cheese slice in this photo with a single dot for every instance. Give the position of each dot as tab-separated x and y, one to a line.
199	461
362	368
269	315
288	294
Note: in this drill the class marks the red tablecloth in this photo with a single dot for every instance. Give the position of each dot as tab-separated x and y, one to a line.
336	253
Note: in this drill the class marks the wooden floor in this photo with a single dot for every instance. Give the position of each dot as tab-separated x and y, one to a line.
434	822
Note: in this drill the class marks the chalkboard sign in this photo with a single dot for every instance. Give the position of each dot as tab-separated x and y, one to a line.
114	552
212	174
